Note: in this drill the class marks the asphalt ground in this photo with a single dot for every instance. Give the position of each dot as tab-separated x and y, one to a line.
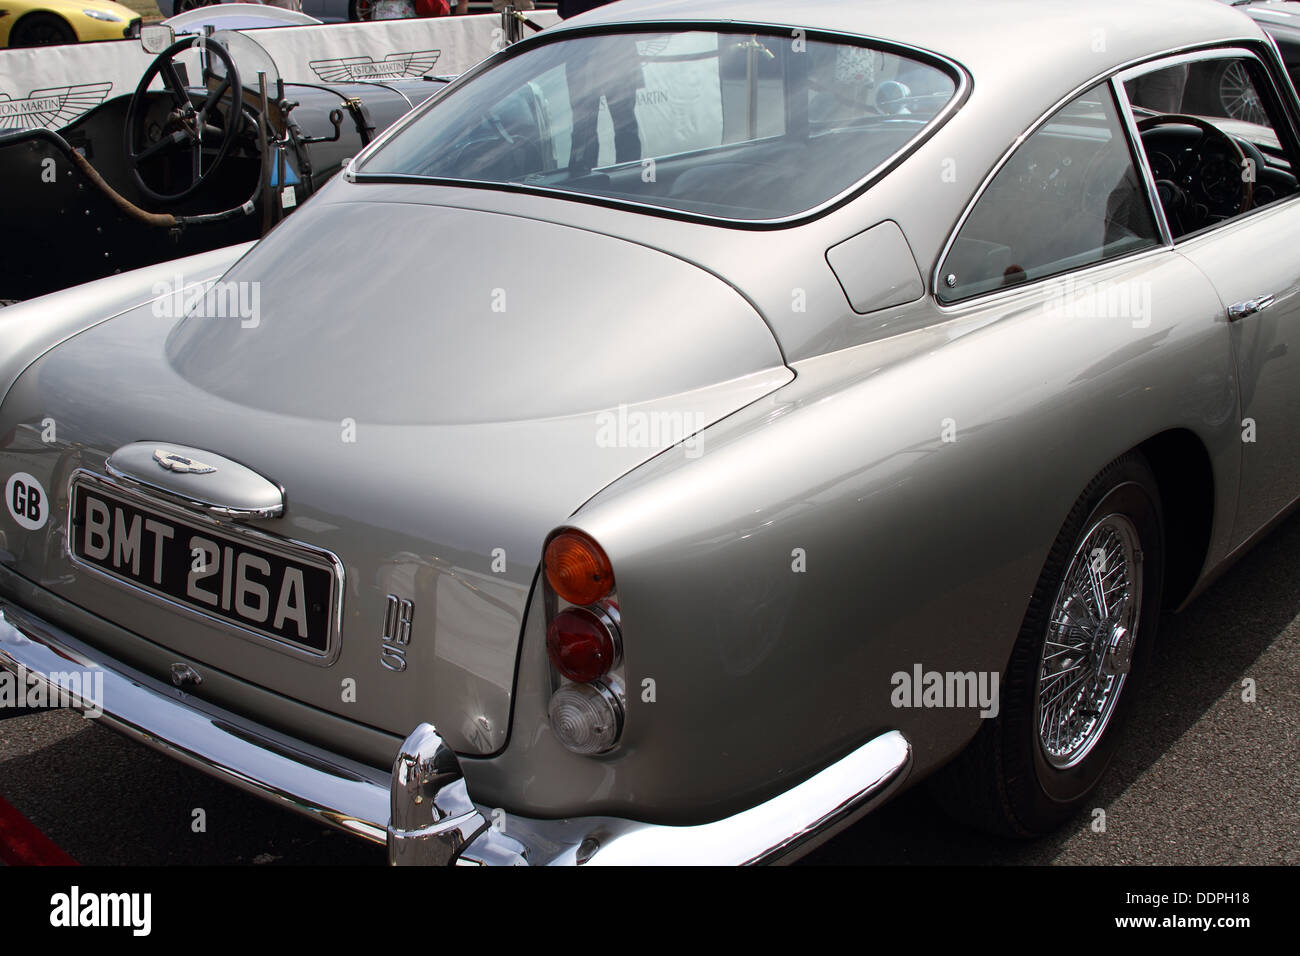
1204	777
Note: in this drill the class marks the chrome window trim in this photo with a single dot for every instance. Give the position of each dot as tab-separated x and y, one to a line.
1193	239
285	547
1108	75
1176	58
1162	242
994	296
1140	163
1288	86
1200	56
355	172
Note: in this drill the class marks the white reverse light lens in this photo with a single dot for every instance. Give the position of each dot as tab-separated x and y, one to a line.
587	718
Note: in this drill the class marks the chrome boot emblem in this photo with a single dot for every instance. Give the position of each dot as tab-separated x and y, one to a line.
179	463
397	633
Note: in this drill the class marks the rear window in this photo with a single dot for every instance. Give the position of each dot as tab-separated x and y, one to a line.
744	126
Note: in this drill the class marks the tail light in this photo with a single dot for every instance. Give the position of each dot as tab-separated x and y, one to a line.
584	643
588	718
577	568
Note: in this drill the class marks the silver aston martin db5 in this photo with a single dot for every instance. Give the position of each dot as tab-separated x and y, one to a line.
697	424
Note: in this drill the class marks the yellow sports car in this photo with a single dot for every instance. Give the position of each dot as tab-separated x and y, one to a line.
47	22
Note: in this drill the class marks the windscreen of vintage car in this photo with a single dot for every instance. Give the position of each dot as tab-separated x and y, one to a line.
730	125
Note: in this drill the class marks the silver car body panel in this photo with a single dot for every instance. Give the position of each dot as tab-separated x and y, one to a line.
498	453
921	458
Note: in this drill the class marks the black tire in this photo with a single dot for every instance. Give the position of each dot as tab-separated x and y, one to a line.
41	29
1004	782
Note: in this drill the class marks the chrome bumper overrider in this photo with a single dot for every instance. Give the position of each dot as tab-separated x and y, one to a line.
423	810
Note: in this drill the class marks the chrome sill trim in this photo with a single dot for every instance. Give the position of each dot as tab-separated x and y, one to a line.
423	811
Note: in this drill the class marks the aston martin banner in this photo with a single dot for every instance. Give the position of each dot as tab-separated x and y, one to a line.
51	86
386	49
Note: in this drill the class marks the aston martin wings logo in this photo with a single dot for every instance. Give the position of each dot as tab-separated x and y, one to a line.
392	67
180	464
52	108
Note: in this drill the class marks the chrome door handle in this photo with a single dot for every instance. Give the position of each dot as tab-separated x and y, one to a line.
1249	307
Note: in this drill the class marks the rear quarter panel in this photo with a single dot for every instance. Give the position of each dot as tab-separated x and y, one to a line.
918	550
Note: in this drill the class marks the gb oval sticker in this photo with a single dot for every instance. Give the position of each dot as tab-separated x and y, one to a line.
27	501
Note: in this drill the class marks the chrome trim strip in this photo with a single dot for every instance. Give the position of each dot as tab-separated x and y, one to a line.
781	828
1138	154
426	798
143	497
993	296
328	788
1287	89
195	504
430	800
1129	72
1219	229
144	465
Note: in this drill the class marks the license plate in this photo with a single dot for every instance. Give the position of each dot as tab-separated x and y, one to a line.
279	592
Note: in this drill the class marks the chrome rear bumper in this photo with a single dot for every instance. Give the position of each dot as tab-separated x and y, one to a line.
423	810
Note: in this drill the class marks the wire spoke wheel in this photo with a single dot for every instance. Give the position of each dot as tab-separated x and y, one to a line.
1089	646
1076	669
1238	98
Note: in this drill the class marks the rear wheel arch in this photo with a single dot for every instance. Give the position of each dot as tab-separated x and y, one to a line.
1185	479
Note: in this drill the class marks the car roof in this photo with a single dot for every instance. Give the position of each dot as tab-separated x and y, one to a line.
1069	40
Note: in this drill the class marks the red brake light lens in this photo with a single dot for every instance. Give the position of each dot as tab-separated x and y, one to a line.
577	568
581	645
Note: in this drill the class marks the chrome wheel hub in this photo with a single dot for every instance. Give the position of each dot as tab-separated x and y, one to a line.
1090	641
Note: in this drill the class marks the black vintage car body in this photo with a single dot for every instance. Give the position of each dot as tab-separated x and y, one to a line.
135	181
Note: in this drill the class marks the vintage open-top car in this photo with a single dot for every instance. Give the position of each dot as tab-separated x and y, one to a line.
829	403
174	167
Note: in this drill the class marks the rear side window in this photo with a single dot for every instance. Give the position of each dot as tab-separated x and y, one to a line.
1069	197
